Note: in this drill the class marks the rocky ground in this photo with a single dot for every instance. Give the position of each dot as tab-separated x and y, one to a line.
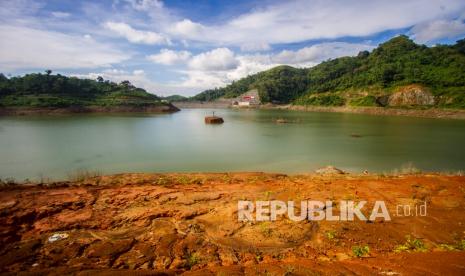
187	223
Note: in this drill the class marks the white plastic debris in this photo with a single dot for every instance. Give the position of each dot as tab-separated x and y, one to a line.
57	236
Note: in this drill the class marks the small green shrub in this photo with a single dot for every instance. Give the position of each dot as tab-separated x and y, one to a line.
461	245
268	194
82	174
265	229
192	259
321	100
360	251
364	101
162	181
183	179
289	270
331	235
411	245
446	247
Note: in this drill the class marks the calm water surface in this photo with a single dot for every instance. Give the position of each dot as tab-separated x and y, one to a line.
249	140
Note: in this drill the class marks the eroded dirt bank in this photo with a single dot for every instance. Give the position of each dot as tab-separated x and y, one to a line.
21	111
381	111
187	223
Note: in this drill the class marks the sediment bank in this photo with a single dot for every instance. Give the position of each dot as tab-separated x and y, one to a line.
187	223
167	108
383	111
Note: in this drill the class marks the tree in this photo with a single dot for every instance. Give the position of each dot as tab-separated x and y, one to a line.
48	72
127	84
460	46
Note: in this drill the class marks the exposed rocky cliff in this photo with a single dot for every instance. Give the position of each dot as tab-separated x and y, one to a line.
411	95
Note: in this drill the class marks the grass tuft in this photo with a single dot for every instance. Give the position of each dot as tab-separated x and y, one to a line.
361	251
410	245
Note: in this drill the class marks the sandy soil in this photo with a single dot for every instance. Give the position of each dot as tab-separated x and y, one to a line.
187	223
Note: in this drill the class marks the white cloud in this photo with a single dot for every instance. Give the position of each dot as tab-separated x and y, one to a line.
188	29
137	78
250	64
297	21
138	72
309	56
77	43
255	47
59	14
15	9
247	65
203	80
217	59
136	36
430	31
170	57
140	79
23	47
145	5
220	67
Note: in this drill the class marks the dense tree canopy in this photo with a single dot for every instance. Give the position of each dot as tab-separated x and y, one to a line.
394	63
47	90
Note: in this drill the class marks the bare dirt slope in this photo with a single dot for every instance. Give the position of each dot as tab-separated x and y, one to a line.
187	223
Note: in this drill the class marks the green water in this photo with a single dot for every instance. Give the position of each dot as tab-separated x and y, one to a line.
249	140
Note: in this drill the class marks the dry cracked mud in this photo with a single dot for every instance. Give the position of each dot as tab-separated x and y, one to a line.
169	224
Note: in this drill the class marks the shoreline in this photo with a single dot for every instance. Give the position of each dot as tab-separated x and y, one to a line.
437	113
176	223
22	111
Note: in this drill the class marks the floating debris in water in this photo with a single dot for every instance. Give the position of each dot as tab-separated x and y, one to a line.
213	119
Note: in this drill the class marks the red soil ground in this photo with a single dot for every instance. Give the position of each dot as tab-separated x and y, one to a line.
187	223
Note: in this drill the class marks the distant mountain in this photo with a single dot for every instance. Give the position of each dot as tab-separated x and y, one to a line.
57	91
368	79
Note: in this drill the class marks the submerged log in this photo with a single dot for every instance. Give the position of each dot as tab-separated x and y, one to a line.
213	120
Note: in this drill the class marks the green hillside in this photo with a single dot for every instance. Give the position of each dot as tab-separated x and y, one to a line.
174	98
47	90
363	79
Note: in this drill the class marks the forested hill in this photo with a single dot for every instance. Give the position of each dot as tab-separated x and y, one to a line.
47	90
362	79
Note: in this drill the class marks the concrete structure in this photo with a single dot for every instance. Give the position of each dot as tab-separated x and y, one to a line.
249	98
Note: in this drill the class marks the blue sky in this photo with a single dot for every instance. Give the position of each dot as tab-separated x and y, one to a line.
184	47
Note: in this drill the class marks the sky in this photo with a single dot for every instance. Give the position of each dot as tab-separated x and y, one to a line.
184	47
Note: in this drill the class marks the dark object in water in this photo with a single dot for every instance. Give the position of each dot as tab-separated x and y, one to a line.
355	135
213	120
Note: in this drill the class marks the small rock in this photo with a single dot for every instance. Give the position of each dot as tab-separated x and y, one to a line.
57	237
227	257
330	170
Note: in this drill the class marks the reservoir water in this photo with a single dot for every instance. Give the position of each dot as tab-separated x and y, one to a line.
249	140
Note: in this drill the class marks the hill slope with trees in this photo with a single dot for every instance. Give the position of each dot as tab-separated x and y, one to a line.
57	91
363	80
